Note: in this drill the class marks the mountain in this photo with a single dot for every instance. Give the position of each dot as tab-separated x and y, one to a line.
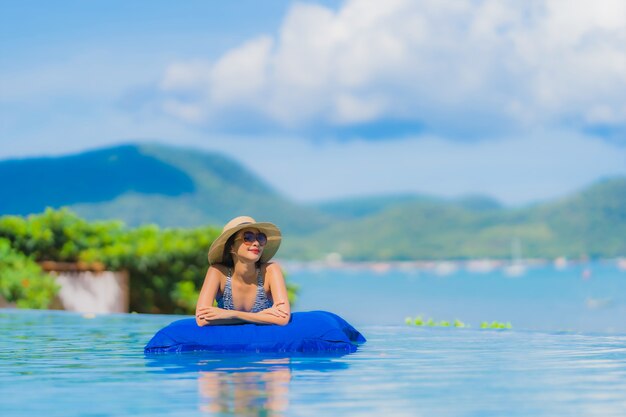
149	184
179	187
354	208
591	222
92	177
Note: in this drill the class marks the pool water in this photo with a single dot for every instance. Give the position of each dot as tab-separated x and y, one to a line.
67	364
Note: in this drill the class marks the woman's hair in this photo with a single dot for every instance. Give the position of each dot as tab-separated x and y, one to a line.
227	257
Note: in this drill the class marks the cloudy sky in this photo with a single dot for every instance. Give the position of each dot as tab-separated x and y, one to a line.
519	100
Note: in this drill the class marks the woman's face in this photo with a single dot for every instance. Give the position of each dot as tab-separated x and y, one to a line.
247	247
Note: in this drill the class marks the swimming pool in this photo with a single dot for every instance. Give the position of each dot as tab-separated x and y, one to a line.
66	364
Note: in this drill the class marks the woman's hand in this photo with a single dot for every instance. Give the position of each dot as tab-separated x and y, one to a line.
213	313
277	310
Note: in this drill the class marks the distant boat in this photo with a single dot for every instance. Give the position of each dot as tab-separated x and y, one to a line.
380	267
598	303
560	263
481	265
445	268
516	268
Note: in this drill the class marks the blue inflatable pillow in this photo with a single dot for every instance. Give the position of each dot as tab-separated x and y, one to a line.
313	331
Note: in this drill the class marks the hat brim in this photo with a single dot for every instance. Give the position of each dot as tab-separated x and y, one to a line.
274	238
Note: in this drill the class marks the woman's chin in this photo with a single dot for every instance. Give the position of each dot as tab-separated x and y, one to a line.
253	257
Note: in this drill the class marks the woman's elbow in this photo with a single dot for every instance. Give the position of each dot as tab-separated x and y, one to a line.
285	320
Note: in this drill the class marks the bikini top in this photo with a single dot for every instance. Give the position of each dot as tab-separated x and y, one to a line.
261	302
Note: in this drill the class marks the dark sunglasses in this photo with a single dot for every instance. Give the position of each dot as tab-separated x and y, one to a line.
250	237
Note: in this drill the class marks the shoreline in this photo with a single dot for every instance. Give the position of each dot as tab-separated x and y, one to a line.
445	267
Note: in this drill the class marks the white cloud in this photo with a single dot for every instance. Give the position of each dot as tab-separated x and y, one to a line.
474	64
188	112
189	76
241	75
460	65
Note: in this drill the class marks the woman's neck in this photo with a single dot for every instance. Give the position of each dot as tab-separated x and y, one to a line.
245	271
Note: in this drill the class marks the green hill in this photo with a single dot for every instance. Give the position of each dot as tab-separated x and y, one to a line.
148	184
179	187
355	208
589	223
92	177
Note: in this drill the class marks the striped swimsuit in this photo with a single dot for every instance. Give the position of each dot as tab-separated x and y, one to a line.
261	302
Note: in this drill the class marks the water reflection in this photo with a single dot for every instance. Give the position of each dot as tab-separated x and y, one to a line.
243	385
246	393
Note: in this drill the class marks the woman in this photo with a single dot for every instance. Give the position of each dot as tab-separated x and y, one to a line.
245	285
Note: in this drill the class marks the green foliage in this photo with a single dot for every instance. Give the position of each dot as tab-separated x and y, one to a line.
185	295
57	235
419	321
458	323
292	291
22	281
166	266
495	325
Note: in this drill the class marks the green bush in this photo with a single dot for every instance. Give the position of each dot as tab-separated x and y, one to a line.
495	325
166	266
57	235
22	281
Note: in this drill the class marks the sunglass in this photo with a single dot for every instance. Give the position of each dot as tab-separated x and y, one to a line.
250	237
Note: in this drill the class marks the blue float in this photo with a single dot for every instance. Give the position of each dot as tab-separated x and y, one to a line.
307	332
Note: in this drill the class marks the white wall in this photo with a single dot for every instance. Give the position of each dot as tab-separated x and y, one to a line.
94	292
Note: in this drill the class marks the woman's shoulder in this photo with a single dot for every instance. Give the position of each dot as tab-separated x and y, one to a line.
272	268
219	270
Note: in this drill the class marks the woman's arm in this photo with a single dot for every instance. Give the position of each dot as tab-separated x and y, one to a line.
210	287
216	316
278	289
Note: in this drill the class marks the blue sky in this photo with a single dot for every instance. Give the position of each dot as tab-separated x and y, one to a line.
522	101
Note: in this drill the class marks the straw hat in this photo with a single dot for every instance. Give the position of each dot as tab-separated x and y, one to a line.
216	251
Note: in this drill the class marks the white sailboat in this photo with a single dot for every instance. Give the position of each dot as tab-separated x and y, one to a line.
516	268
